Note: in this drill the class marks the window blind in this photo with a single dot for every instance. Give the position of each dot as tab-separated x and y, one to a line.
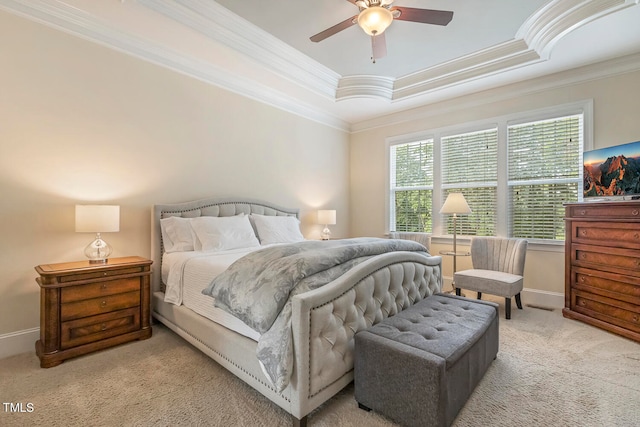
544	171
412	186
470	167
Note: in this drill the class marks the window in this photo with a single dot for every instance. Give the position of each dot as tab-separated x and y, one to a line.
470	167
412	186
544	172
515	173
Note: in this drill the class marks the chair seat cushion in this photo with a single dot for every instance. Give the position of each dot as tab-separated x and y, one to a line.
489	281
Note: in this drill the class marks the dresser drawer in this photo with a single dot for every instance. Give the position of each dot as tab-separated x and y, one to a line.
94	328
624	235
615	312
605	211
99	289
90	307
625	288
615	260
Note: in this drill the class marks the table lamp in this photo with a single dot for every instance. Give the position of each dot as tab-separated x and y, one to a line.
326	217
97	219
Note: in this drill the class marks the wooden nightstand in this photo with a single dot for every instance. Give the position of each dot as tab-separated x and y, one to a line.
87	307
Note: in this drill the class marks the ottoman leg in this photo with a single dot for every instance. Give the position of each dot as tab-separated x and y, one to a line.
507	308
518	301
361	406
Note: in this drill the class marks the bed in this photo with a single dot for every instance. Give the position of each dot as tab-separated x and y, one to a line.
323	321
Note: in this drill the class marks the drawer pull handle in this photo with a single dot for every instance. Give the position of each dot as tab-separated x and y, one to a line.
103	304
635	236
103	286
634	212
583	256
583	303
583	212
635	318
584	232
582	279
103	327
104	274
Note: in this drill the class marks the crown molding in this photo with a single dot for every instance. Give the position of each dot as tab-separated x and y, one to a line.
533	43
58	15
597	71
218	23
551	22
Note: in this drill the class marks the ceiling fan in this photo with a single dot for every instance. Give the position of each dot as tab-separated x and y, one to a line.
376	15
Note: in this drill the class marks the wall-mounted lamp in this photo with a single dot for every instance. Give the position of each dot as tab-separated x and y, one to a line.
326	217
97	219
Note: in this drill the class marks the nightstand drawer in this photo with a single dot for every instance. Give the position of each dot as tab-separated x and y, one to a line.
94	306
98	274
99	289
94	328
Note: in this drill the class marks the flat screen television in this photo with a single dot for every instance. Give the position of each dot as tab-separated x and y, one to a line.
612	172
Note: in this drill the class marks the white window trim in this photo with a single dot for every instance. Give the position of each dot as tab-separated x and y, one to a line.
584	107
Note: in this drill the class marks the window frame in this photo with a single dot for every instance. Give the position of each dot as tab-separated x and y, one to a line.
584	107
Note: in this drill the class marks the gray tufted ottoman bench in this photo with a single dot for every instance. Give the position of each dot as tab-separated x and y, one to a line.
420	366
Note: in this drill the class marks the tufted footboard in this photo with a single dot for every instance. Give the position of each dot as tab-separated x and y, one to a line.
325	320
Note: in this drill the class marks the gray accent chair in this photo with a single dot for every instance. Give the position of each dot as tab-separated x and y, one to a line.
498	269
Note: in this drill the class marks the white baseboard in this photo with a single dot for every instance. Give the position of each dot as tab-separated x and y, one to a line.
542	299
18	342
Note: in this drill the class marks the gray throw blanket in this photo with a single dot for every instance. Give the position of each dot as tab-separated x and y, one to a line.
258	289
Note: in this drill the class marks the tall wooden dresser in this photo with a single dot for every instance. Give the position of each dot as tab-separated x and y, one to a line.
602	265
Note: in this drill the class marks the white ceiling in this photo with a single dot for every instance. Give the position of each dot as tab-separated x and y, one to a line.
262	49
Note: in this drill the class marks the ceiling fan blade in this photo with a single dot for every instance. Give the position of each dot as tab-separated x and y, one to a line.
333	30
378	46
425	16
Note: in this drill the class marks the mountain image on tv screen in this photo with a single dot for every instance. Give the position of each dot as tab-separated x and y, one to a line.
612	171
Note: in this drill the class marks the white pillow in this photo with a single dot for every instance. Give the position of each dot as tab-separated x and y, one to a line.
224	233
177	234
277	229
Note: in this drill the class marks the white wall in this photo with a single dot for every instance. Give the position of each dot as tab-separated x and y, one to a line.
615	101
80	123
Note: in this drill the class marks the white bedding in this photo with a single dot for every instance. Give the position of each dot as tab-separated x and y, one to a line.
186	274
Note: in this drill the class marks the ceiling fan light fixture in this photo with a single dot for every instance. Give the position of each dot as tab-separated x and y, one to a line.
374	20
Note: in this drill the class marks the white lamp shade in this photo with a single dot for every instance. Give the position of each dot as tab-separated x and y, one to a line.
455	204
97	218
374	20
327	217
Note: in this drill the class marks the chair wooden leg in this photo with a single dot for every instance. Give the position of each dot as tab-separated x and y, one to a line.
518	301
479	295
507	308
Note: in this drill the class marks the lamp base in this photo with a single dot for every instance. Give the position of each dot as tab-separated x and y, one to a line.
326	233
98	251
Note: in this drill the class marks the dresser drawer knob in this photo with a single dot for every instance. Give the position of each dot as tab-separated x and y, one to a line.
583	232
583	256
103	304
582	279
635	236
103	327
634	212
583	212
635	318
103	286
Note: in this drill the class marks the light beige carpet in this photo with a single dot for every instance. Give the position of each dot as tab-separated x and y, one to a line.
550	371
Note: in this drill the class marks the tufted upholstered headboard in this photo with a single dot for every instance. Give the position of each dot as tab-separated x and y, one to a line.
204	207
